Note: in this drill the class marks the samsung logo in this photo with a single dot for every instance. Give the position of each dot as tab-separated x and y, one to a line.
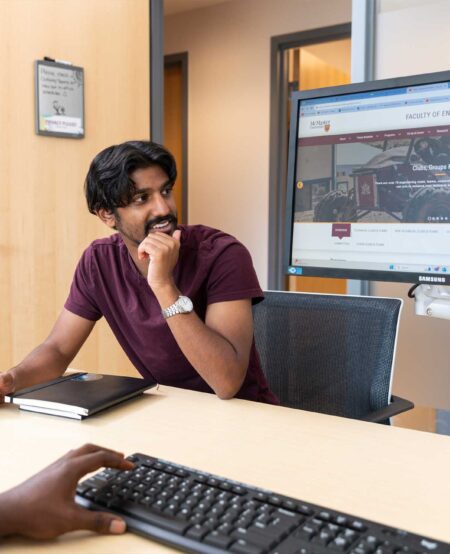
431	279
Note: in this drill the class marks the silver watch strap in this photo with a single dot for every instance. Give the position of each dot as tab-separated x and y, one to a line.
170	311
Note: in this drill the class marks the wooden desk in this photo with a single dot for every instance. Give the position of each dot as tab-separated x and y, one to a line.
392	475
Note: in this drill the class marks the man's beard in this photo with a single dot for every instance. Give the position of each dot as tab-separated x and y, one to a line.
170	218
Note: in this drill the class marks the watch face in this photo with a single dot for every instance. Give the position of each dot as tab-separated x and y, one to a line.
185	304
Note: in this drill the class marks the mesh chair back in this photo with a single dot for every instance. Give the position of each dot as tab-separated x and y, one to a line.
328	353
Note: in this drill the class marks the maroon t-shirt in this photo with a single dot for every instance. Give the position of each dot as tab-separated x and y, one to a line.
212	267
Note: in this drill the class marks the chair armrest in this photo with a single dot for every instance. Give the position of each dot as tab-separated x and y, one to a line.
395	407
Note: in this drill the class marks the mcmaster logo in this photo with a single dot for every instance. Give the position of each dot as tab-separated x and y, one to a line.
325	124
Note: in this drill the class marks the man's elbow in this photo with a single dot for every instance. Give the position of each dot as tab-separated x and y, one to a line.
229	389
226	394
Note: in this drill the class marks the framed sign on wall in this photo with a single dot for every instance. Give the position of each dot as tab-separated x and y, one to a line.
59	99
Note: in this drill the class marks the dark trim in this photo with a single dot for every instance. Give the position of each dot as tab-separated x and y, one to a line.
369	32
183	59
278	139
156	41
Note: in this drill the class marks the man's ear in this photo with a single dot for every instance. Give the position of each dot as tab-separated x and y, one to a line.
107	217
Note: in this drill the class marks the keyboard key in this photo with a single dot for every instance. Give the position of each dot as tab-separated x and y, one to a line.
385	550
293	545
339	543
307	531
429	545
243	522
169	523
197	532
289	504
218	539
243	547
323	537
225	486
350	534
274	500
91	493
362	548
263	520
304	509
83	488
225	528
358	525
256	538
196	518
211	522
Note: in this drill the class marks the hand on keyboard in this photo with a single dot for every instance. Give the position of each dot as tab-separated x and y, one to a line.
43	507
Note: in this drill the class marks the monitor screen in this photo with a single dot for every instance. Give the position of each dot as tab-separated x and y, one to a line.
369	181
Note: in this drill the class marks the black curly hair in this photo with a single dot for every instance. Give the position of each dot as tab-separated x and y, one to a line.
108	183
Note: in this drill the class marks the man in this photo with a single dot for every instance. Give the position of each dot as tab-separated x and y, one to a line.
178	298
43	507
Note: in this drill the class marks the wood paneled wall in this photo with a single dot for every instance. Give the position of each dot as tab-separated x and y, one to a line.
44	222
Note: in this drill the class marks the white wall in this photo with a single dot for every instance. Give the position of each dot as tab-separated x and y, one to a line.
411	38
229	107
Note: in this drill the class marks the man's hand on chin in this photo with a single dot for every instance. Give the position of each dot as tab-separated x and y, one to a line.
162	251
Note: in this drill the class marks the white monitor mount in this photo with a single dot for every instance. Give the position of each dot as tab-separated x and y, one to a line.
431	300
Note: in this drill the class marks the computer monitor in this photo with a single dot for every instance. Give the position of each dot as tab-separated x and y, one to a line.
369	181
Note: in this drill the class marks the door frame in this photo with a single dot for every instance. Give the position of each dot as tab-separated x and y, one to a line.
279	140
156	73
182	58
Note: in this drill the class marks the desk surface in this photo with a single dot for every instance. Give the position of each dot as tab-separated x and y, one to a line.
391	475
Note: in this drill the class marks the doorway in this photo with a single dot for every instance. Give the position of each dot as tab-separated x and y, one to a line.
300	61
176	124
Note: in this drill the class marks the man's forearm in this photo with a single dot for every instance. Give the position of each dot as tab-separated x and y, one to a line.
8	513
211	354
44	363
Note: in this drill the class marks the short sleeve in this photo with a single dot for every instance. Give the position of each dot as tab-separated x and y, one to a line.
232	276
81	300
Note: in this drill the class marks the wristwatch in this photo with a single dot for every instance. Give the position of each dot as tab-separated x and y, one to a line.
182	305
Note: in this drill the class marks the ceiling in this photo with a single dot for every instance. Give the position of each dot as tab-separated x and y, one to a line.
177	6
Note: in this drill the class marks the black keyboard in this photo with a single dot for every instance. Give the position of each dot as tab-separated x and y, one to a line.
203	513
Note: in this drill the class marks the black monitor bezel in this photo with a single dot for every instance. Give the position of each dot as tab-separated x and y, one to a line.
346	273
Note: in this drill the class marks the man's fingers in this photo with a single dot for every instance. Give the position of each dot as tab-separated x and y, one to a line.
6	383
99	522
95	460
155	243
88	448
143	250
177	235
163	238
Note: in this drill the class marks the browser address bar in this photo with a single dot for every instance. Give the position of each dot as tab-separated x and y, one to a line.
376	100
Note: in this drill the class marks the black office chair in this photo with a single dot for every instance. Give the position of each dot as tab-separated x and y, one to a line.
330	353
